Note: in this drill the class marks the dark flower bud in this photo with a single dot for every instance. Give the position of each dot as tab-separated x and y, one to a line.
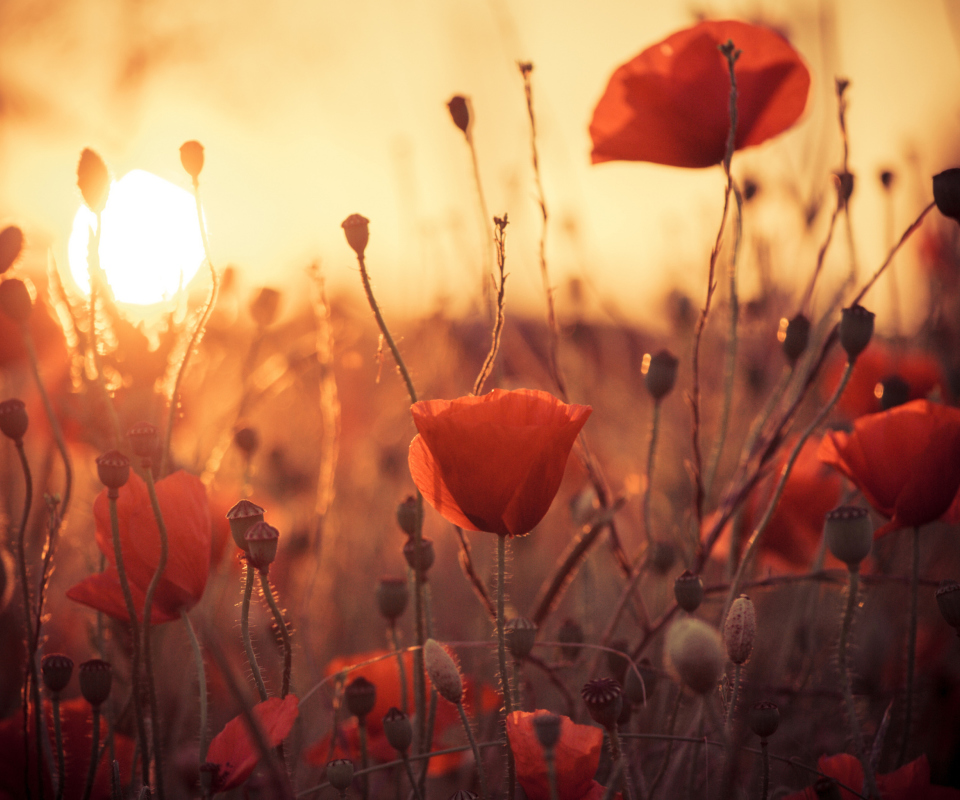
408	516
571	634
849	534
144	438
661	374
392	597
15	300
617	662
796	337
662	556
948	599
96	676
247	440
740	629
11	243
460	112
750	189
340	773
520	634
360	696
826	788
427	555
688	589
946	193
357	230
191	156
264	307
443	671
547	729
56	669
262	540
894	391
93	180
13	419
604	700
856	329
633	688
887	178
845	184
113	469
764	719
243	516
398	730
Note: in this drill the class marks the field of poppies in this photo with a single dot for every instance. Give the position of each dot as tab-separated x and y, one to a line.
332	554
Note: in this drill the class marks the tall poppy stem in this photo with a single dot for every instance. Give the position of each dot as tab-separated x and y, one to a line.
364	756
481	772
733	697
395	641
94	753
284	632
502	651
202	680
651	461
765	759
911	646
245	632
58	737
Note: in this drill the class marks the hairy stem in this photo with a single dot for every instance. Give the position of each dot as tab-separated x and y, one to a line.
284	632
202	680
94	754
651	461
481	772
245	632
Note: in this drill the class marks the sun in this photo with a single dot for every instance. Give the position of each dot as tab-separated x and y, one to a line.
150	246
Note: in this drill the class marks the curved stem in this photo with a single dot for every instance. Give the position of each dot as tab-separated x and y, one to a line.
94	753
911	646
284	632
245	632
651	460
481	772
202	679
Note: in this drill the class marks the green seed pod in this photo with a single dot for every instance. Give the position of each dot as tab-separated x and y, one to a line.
13	419
113	469
56	669
242	517
144	438
740	629
856	330
340	773
93	179
796	337
764	719
849	534
96	676
360	696
604	700
357	230
459	108
946	193
11	243
661	374
688	589
392	597
521	634
15	300
398	730
262	541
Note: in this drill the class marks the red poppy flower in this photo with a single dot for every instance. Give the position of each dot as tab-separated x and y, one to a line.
903	460
233	749
671	104
493	463
183	502
910	782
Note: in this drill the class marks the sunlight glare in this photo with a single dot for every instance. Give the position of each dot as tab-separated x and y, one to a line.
151	245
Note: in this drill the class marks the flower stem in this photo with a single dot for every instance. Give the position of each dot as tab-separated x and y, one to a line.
284	632
550	758
58	736
245	632
411	777
481	772
733	696
502	652
202	678
94	753
395	641
651	460
911	646
364	756
616	753
765	759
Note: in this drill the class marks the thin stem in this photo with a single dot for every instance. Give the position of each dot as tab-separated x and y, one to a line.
911	646
501	224
395	641
821	254
466	564
245	632
411	777
616	753
284	632
58	736
651	461
202	679
550	758
502	653
481	772
419	668
94	753
487	234
670	728
733	696
765	760
364	756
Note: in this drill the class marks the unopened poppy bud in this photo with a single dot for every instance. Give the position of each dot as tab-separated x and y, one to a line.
113	469
264	307
398	730
357	229
96	676
191	156
11	243
15	300
407	516
340	773
688	589
443	671
845	185
849	534
392	597
617	661
661	374
694	652
242	517
740	629
262	540
796	337
247	440
459	111
56	669
521	634
856	329
636	689
827	788
571	634
764	719
427	555
93	180
894	391
144	438
603	698
13	419
547	729
887	178
360	696
946	193
948	600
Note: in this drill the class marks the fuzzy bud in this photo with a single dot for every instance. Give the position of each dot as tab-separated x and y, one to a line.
427	556
570	634
144	438
191	156
740	629
661	374
946	193
694	652
688	589
357	230
796	337
443	671
459	108
849	534
398	730
96	676
392	597
360	696
764	719
113	469
547	729
56	669
93	180
262	540
408	516
856	330
340	773
11	243
13	419
15	300
242	517
604	700
948	600
520	634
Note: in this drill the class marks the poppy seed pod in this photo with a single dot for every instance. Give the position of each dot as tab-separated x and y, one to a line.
856	329
398	730
11	243
360	696
427	555
243	516
56	669
247	440
547	729
571	634
694	652
408	516
96	676
262	540
521	634
13	419
392	597
740	629
764	719
661	374
796	337
357	230
340	773
143	439
849	534
948	601
15	300
946	193
459	108
191	156
604	700
688	589
264	307
93	180
443	671
113	469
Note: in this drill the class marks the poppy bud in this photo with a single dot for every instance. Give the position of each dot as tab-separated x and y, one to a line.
262	540
886	178
894	391
520	634
357	230
340	773
740	629
398	730
93	180
604	700
633	688
617	662
845	184
570	634
191	156
243	516
764	719
427	555
56	669
547	729
946	193
856	329
113	469
143	439
247	439
15	300
361	697
849	534
948	599
688	589
695	653
96	677
826	788
11	243
264	307
661	374
13	419
407	516
750	189
392	597
443	671
459	112
796	337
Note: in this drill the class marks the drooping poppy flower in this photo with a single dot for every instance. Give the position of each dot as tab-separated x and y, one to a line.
183	502
233	749
905	461
671	104
493	463
910	782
